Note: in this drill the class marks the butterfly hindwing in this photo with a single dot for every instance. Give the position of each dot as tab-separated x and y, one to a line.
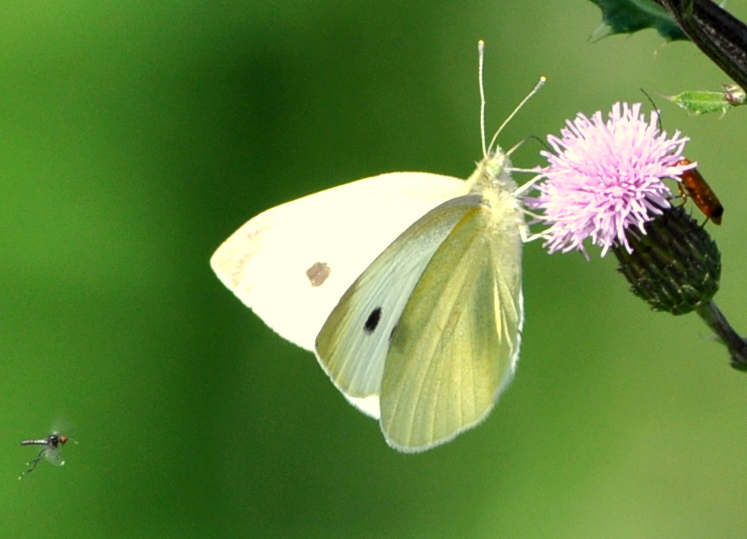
353	344
457	341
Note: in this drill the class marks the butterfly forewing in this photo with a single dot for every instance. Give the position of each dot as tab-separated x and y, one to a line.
353	344
456	343
292	263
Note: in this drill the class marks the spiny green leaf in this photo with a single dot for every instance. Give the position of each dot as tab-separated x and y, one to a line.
628	16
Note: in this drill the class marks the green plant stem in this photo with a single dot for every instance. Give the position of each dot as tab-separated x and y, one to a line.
716	320
721	36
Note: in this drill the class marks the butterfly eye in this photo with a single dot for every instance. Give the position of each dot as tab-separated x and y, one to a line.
373	320
318	273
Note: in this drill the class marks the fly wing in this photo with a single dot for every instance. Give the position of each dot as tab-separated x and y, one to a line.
53	455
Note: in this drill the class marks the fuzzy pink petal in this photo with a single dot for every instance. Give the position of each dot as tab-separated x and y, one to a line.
604	178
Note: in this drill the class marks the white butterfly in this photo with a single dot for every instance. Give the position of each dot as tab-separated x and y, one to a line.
407	286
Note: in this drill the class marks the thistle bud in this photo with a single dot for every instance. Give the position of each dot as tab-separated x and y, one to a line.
675	266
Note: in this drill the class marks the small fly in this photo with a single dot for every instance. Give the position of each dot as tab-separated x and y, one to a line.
50	450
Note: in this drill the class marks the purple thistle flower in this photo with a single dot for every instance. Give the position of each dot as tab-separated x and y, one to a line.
605	178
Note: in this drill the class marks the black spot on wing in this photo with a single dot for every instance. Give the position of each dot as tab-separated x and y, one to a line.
373	321
318	273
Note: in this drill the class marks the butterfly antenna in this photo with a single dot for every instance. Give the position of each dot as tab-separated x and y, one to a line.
481	62
537	88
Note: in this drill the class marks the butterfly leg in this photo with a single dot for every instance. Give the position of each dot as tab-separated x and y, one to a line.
528	186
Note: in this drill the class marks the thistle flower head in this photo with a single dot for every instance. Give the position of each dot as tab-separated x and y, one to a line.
605	178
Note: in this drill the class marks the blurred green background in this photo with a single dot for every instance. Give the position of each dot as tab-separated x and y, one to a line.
135	137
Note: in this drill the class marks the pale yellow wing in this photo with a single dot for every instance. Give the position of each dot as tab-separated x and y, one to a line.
353	344
456	343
